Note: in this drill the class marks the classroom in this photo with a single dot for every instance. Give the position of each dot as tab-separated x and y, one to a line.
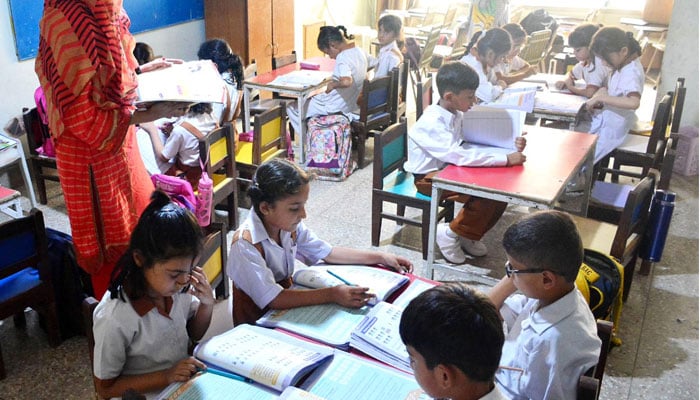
656	341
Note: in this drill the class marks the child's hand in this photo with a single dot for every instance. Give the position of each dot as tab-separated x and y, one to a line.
595	102
516	158
159	63
200	286
520	142
560	85
352	296
502	84
184	369
397	263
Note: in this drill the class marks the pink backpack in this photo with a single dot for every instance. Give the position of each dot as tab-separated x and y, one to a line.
329	147
179	190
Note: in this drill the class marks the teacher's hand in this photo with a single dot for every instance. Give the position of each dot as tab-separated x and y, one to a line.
159	63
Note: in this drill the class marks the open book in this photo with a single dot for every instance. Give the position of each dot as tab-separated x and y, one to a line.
559	102
515	100
549	82
491	126
378	336
302	78
193	81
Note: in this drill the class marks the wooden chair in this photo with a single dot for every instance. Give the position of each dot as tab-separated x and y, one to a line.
25	274
426	54
424	94
390	183
269	141
591	381
43	168
213	259
218	149
88	307
375	112
399	77
536	47
622	240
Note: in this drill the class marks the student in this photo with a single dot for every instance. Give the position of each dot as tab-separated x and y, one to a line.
589	68
454	336
613	105
348	76
436	141
265	246
143	53
484	52
388	36
514	69
158	300
551	337
230	67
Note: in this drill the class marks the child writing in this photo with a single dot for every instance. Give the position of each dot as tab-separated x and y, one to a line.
484	52
514	68
261	261
589	68
551	337
230	67
348	76
158	300
613	105
454	336
388	36
436	141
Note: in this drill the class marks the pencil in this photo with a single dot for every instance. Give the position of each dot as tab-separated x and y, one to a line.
333	274
226	374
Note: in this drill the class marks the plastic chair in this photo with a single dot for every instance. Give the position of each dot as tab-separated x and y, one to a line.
399	77
390	183
43	168
269	141
25	274
375	112
218	149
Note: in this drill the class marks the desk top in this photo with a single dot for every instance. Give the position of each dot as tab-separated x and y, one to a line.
554	156
327	64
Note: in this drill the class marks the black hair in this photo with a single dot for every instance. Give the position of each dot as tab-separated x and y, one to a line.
455	76
610	39
494	39
453	324
219	51
515	31
332	34
164	231
275	180
143	53
581	36
200	108
546	239
392	23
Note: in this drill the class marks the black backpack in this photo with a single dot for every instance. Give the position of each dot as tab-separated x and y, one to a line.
538	20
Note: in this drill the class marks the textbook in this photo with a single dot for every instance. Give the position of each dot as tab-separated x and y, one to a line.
515	100
302	78
208	386
560	102
492	126
192	81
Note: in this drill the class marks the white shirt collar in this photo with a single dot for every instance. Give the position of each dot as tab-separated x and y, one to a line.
546	317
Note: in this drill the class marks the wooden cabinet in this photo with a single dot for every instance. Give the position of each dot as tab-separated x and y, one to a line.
255	29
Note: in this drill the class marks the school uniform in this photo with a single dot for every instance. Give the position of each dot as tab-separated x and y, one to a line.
389	57
182	144
515	65
488	90
436	141
612	123
595	74
351	62
546	349
494	394
223	112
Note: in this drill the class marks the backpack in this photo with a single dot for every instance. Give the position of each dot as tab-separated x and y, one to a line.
538	20
179	190
329	147
600	280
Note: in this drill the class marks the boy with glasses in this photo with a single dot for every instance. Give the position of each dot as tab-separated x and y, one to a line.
551	336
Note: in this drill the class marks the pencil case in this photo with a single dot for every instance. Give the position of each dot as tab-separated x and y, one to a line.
309	65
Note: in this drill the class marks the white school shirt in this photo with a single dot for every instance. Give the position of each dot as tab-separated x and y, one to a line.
550	347
185	145
611	123
435	140
595	74
258	276
389	57
494	394
487	91
351	62
515	65
218	108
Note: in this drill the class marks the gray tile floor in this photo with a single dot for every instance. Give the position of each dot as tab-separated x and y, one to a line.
658	358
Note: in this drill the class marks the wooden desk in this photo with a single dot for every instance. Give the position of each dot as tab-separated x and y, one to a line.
263	82
554	157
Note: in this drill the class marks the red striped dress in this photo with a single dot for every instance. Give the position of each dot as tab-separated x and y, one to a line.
86	68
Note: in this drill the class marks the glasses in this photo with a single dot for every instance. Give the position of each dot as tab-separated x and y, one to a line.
510	270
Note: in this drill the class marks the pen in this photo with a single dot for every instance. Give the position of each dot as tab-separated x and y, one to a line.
226	374
333	274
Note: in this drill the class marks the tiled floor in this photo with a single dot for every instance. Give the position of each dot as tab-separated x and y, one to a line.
659	328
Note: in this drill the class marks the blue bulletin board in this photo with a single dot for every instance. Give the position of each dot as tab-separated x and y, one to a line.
145	15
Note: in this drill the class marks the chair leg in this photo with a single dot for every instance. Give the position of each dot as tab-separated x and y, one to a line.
376	220
52	328
629	273
400	211
41	187
361	137
20	320
645	268
424	231
2	366
232	210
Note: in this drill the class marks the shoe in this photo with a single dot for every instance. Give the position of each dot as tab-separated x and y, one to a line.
474	247
449	247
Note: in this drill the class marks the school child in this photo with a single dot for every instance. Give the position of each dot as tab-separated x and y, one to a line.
551	337
484	52
143	53
230	67
158	301
348	76
265	246
514	68
436	141
589	68
454	336
613	105
388	36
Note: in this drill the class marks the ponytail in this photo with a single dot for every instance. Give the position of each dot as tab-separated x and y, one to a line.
610	40
332	34
633	45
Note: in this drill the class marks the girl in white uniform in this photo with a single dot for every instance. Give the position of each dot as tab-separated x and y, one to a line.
514	69
484	52
388	35
230	67
589	68
613	106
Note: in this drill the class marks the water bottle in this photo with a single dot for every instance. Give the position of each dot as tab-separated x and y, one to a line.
657	227
205	196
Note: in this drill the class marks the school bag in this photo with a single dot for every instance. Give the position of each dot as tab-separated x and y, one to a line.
538	20
329	145
600	280
179	190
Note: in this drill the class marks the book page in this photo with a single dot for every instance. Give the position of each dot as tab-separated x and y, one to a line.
268	357
559	102
328	323
523	101
416	287
380	281
490	126
378	336
302	78
294	393
215	387
193	81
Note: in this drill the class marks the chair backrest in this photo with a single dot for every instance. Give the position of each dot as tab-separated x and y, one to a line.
536	47
390	149
633	221
666	167
677	109
399	81
35	128
458	47
23	244
424	94
213	258
428	49
377	98
590	383
270	135
284	59
661	123
216	150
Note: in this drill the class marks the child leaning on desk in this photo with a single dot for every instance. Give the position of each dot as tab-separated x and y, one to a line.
265	246
157	302
485	51
551	337
589	68
514	68
436	141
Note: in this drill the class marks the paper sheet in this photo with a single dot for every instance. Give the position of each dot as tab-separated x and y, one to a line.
193	81
301	78
491	126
